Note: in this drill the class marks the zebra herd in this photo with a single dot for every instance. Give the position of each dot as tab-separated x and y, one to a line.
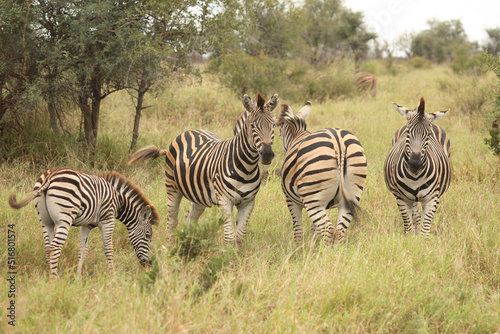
321	170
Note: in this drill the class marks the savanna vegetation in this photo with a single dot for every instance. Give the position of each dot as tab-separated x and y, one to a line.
60	108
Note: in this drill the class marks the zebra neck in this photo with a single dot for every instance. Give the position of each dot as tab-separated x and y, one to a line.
244	146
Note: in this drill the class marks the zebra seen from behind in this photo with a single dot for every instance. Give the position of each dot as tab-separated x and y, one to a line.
418	168
210	171
321	170
64	197
366	81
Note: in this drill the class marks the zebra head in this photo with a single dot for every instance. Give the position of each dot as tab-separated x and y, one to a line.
418	134
261	125
141	233
291	125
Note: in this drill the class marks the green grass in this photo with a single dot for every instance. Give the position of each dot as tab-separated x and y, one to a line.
379	281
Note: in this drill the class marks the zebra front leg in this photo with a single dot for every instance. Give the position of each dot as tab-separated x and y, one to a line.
107	227
296	212
323	224
173	203
82	254
229	234
406	211
428	210
416	217
244	211
194	212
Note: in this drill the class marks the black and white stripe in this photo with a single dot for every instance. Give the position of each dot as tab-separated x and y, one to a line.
321	170
418	168
210	171
64	197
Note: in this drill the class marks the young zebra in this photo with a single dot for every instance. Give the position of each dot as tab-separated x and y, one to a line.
418	168
64	197
210	171
321	170
366	81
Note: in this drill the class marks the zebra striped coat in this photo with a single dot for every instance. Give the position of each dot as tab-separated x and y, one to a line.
418	167
64	197
321	170
366	81
210	171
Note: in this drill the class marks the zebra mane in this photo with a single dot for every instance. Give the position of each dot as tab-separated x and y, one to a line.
125	186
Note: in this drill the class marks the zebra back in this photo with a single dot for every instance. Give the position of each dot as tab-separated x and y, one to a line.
366	81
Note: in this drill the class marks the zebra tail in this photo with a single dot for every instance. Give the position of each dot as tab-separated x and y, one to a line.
147	152
17	205
351	206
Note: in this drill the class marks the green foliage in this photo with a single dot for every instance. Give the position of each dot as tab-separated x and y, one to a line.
419	62
493	44
196	239
493	119
294	79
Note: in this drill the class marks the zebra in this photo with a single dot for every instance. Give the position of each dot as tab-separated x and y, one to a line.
418	168
270	105
321	170
65	197
366	81
210	171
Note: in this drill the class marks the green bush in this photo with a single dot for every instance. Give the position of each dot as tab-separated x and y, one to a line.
419	62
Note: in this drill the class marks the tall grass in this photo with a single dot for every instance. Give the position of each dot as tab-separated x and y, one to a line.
379	281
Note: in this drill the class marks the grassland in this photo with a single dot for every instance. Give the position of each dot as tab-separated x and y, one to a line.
379	281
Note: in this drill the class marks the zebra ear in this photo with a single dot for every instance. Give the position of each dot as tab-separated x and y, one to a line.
305	110
145	213
272	103
405	112
247	103
285	115
436	116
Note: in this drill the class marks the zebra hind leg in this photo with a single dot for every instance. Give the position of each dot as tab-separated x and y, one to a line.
60	236
416	217
296	212
47	225
406	210
194	213
428	210
82	253
345	216
173	203
323	224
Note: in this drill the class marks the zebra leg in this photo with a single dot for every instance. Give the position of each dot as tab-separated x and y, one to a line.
82	254
60	236
428	210
194	212
229	234
323	224
47	225
107	227
173	203
296	212
416	217
406	210
244	211
343	221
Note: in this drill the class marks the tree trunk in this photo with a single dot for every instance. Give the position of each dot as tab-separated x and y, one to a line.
51	106
143	88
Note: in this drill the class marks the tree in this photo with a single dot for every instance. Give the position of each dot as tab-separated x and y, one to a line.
493	44
437	42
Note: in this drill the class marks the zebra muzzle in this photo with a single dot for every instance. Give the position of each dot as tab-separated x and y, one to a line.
267	154
415	162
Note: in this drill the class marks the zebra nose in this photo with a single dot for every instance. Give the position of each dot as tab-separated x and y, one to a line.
415	161
267	154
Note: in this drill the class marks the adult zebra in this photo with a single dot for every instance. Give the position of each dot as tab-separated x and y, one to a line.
210	171
418	168
270	105
321	170
64	197
366	81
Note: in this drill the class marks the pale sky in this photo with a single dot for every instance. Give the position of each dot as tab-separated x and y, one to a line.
391	18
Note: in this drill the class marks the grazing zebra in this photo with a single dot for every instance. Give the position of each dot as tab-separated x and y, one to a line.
366	81
418	168
210	171
64	197
321	170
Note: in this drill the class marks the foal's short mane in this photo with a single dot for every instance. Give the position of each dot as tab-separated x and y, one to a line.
122	183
